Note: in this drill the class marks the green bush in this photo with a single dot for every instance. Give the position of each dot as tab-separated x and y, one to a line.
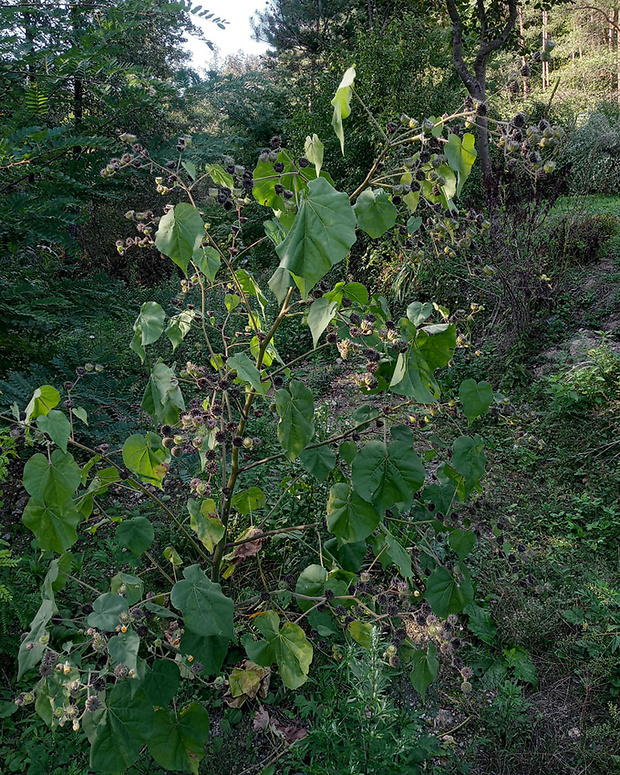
593	154
580	239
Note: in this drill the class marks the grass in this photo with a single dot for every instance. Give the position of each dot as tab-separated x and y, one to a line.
593	203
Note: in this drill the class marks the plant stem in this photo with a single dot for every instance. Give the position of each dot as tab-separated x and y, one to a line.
235	470
299	358
271	533
151	559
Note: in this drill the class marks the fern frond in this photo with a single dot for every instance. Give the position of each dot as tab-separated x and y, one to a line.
6	596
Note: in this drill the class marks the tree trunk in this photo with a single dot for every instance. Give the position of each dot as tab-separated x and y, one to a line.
484	153
522	43
78	83
476	82
545	65
618	52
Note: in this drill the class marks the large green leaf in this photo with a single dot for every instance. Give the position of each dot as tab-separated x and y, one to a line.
350	517
56	576
365	413
413	378
361	632
232	301
57	427
178	742
446	191
387	476
180	233
318	461
179	327
135	534
206	610
394	552
313	151
347	451
208	261
247	371
125	726
356	292
320	316
462	542
247	501
106	610
424	669
389	550
148	327
129	586
275	231
219	175
123	649
250	287
520	661
287	646
476	397
342	104
461	155
432	348
296	412
445	595
43	399
320	237
375	212
161	682
436	343
348	556
481	623
205	523
145	456
54	480
280	281
163	399
413	223
190	168
418	312
311	583
265	181
210	651
413	197
54	523
31	649
469	461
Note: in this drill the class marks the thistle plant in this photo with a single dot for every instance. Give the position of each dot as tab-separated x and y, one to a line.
114	666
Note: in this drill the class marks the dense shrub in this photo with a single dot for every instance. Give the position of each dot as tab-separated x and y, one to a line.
579	239
593	154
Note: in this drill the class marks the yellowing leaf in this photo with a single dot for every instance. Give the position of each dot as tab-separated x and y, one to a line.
342	104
